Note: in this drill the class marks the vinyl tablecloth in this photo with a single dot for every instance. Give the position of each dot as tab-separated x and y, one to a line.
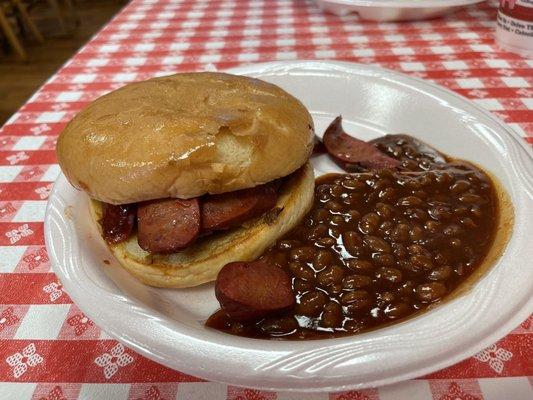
50	350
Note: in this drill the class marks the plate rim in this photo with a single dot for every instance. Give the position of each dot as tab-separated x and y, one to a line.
395	4
511	323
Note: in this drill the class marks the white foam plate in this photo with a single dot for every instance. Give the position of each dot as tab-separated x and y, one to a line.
168	325
394	10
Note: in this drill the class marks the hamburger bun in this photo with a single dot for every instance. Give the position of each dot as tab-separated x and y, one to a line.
201	262
183	136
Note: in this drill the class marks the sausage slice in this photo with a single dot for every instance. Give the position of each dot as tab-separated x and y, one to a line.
165	226
228	210
353	154
251	290
117	222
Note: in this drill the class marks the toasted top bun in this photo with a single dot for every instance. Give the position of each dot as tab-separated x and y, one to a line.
185	135
201	261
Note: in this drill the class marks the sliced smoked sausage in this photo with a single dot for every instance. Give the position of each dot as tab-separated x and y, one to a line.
353	154
227	210
117	222
165	226
251	290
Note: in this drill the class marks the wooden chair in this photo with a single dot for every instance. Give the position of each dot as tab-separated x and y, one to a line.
59	15
69	5
15	8
23	12
7	30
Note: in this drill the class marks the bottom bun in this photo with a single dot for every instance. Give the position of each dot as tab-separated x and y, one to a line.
201	262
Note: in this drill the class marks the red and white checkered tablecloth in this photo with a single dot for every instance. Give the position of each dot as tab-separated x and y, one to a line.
50	350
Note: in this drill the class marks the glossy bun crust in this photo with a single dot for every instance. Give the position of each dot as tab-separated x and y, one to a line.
185	135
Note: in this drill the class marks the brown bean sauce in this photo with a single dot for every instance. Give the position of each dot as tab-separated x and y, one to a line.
380	246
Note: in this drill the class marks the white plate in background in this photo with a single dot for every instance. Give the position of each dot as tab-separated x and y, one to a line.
394	10
166	325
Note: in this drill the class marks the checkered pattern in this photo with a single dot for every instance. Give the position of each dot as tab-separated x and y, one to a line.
51	350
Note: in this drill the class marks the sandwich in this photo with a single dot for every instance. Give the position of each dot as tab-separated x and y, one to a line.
189	172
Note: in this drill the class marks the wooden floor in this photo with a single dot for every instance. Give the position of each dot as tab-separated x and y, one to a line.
19	80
